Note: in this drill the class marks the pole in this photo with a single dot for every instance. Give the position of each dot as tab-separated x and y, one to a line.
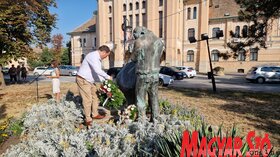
37	90
212	74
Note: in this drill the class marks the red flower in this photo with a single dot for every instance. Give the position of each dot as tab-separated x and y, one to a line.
109	94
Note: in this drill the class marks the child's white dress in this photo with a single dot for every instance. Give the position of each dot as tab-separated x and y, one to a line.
55	82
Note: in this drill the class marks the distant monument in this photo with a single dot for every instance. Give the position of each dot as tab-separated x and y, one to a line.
141	75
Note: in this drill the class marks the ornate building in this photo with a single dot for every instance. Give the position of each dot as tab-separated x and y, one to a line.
175	21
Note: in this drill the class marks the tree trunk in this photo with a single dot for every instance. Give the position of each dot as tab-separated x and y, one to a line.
2	80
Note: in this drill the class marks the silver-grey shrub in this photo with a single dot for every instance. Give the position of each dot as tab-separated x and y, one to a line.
52	130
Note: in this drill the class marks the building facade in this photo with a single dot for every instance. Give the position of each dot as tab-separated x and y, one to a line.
212	15
83	40
152	14
175	21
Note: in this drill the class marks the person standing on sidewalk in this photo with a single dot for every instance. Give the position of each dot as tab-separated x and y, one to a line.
88	79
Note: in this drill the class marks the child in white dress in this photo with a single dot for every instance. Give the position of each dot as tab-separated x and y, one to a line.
55	80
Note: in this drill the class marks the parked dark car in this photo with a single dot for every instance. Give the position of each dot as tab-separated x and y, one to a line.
114	71
173	72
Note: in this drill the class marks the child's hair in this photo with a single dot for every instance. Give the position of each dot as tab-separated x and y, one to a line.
54	63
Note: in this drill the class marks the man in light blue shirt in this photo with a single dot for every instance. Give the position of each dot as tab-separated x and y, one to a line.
90	74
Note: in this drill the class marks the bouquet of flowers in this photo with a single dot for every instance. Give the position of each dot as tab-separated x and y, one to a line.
130	113
110	95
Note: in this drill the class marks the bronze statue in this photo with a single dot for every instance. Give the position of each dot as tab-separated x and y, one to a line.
146	53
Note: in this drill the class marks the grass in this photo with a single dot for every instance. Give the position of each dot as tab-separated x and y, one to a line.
249	111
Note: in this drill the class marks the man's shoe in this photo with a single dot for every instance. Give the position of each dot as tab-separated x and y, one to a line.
88	124
98	117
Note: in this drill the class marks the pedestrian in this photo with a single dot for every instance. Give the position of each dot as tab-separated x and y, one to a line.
18	73
13	74
89	78
23	72
55	74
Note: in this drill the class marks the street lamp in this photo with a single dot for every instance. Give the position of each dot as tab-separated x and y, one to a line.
125	27
205	37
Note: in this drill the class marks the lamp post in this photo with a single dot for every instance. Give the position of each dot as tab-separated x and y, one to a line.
205	37
125	27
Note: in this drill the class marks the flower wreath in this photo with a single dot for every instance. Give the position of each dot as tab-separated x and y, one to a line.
110	95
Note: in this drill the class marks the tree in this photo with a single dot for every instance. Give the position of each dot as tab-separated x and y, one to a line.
260	15
65	57
68	45
57	46
24	23
42	59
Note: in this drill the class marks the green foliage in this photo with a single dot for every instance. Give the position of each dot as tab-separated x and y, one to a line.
115	96
42	59
23	24
259	14
10	127
65	60
169	145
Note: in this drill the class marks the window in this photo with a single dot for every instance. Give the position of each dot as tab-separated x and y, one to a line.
160	2
266	69
130	21
85	41
110	9
137	19
160	24
130	6
81	42
144	20
124	7
215	31
143	4
191	33
190	56
137	5
194	12
241	55
237	31
245	31
253	54
111	28
95	42
189	14
215	55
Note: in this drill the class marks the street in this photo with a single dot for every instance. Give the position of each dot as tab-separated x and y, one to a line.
227	82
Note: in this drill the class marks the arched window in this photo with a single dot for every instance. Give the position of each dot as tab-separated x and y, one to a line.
189	14
215	55
241	55
237	31
130	6
194	12
137	5
124	7
253	54
143	4
160	2
190	56
245	31
110	9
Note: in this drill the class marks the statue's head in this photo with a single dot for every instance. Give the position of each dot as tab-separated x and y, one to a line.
139	31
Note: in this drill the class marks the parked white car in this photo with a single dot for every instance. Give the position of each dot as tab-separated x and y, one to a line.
165	80
68	70
42	71
261	74
190	71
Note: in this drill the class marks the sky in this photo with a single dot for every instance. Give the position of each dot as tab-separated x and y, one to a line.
72	14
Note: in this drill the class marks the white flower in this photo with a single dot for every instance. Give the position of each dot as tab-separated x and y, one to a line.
106	82
109	85
109	89
105	87
113	99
